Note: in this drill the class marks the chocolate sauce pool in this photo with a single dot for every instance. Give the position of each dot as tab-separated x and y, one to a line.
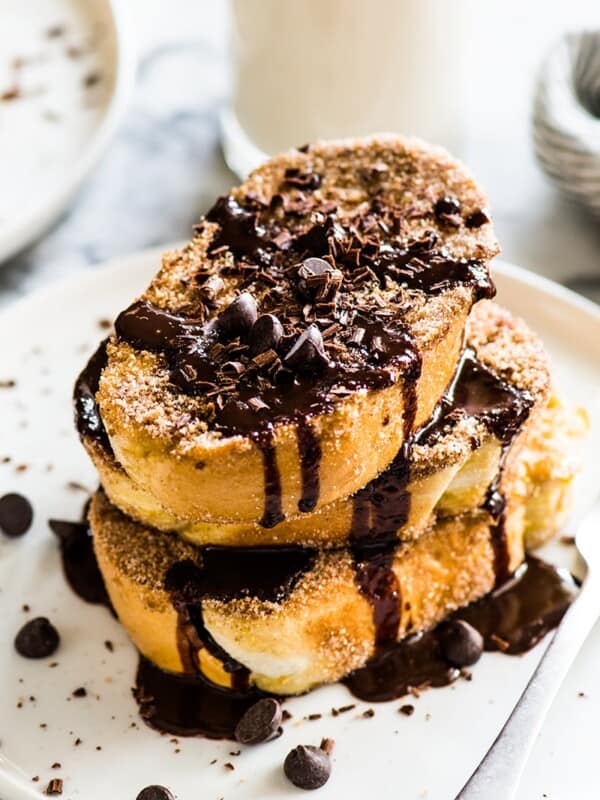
513	619
189	705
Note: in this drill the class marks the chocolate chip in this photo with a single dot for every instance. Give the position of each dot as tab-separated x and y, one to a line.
81	692
307	767
260	723
239	316
265	334
308	353
16	514
155	793
407	710
37	639
446	206
477	219
461	643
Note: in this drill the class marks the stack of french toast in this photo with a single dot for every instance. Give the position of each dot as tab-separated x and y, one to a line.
316	432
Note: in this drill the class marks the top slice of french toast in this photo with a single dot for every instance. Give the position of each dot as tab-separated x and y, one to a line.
278	361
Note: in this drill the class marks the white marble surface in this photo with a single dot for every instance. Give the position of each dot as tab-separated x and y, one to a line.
164	168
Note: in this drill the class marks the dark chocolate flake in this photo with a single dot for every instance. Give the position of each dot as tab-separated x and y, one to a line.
447	211
477	219
327	745
55	786
302	180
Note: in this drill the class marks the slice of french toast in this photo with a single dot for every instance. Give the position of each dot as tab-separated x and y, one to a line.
446	467
297	617
278	362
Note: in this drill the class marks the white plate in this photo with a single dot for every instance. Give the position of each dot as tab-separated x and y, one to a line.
44	342
66	71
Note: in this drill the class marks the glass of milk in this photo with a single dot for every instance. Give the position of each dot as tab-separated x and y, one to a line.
314	69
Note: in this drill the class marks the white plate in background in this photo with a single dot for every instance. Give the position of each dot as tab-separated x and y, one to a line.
45	340
66	71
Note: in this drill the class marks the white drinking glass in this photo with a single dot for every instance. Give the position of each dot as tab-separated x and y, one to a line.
313	69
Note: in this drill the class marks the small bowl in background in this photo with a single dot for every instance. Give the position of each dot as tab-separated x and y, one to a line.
66	75
566	118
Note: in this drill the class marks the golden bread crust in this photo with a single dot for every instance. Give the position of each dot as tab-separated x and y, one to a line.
467	447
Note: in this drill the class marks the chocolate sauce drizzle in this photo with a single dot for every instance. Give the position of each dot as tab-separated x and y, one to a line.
268	574
503	409
87	416
273	513
512	619
380	510
309	450
480	392
383	506
79	563
227	573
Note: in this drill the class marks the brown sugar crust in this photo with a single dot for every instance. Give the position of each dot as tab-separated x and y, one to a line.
359	198
450	474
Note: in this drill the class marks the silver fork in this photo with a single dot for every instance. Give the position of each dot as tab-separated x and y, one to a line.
499	774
